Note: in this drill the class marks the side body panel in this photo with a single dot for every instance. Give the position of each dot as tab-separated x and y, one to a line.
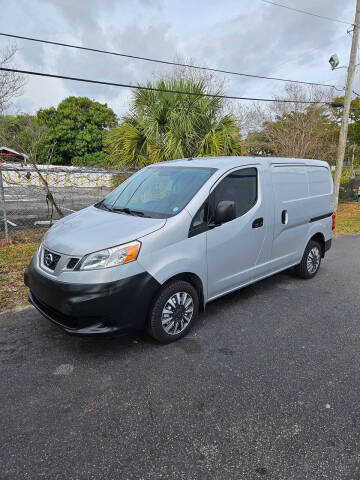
302	193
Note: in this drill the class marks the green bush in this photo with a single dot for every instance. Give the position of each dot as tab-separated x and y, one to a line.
95	159
348	190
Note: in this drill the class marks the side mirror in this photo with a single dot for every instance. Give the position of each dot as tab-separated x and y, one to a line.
225	212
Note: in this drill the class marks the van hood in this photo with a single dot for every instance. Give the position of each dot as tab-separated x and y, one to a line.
92	229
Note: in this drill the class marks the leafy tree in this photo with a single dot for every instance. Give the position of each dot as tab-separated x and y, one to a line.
77	128
17	132
24	133
164	126
11	128
353	138
303	134
298	124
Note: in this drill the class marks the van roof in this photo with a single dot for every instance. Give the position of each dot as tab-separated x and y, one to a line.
230	162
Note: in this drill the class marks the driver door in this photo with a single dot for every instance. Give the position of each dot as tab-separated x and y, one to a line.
234	248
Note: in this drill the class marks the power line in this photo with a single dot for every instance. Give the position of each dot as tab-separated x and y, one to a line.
307	13
165	62
164	90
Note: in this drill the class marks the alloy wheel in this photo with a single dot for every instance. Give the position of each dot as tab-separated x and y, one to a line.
313	260
177	313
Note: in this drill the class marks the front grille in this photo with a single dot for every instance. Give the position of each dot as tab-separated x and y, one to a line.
50	259
72	263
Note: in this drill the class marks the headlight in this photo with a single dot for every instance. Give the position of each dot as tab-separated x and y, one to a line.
111	257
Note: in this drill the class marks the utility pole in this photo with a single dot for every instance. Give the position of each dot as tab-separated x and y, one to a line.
2	195
346	111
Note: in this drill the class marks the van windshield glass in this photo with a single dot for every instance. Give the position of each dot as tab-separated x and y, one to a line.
157	191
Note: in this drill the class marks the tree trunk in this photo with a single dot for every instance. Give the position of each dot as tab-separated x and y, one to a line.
49	194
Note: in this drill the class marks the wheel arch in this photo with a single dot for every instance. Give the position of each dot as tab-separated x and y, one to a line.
320	238
195	281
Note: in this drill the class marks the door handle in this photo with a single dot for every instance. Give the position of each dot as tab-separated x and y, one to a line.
259	222
284	217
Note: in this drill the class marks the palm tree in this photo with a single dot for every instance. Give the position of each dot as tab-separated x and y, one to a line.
164	126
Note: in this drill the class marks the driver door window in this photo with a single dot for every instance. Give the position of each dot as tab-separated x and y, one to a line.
239	186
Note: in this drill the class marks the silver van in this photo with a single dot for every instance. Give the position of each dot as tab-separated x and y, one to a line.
177	235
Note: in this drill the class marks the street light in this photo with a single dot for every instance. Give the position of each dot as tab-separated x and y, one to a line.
334	61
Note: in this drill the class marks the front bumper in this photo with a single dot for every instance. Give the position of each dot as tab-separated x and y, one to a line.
92	309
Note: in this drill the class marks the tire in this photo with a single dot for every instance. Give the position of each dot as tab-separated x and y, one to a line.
173	312
311	260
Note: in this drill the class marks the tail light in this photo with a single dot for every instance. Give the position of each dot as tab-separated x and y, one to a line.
333	221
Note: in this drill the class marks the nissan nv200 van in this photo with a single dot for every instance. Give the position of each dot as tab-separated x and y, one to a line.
177	235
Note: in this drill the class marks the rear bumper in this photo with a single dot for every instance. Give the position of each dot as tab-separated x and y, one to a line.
327	245
92	309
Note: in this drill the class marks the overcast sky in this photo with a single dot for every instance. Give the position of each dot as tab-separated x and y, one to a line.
240	35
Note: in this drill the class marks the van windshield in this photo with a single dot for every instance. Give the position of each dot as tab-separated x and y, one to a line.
158	192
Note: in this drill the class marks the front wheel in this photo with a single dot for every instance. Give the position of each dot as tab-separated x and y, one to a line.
310	263
173	311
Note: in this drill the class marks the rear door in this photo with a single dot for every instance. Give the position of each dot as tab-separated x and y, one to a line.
234	248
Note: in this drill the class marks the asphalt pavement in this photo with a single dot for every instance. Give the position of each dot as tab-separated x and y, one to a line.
265	386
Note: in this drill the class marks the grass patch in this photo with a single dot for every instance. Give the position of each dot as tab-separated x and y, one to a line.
14	258
347	219
25	236
13	261
346	226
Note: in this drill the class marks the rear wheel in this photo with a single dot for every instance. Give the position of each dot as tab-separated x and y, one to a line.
310	263
173	312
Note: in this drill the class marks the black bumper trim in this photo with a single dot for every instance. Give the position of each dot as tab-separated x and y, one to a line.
91	309
321	217
55	317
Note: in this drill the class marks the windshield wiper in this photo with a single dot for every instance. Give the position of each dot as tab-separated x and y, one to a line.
102	205
128	211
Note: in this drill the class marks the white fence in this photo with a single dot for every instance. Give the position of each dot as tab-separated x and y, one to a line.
56	176
24	202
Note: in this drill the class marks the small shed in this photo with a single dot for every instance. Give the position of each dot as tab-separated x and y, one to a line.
10	155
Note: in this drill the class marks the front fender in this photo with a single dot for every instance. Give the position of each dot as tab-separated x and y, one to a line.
187	256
